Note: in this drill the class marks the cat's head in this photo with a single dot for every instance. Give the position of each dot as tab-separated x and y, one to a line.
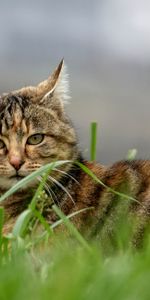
34	129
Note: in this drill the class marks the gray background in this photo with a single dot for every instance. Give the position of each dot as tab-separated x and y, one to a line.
106	45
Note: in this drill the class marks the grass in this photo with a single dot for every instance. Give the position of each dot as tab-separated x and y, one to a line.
43	265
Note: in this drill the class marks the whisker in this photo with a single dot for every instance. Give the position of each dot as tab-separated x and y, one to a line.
46	186
49	190
61	186
67	175
54	196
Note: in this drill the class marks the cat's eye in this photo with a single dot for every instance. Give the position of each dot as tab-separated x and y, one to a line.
35	139
2	144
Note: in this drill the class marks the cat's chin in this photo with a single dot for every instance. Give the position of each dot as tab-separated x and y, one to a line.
7	183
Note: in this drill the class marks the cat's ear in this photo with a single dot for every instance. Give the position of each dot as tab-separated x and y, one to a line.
55	89
51	92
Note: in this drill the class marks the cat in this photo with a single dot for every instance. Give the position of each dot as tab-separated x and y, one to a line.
35	130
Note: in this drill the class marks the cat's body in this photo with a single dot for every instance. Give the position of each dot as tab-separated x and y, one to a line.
34	130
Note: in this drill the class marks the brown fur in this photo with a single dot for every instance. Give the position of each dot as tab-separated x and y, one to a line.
40	110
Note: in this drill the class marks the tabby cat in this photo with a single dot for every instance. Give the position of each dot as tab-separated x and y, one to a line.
34	130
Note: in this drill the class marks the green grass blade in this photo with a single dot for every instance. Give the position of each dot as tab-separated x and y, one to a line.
42	220
1	221
21	223
93	140
32	176
6	248
39	190
92	175
55	224
32	205
131	155
73	230
1	229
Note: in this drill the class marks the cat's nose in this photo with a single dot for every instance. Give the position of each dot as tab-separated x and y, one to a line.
16	162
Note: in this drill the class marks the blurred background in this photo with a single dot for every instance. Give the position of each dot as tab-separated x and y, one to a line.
106	46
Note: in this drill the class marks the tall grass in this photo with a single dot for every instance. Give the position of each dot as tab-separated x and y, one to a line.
42	265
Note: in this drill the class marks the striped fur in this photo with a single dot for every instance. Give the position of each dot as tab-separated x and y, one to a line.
40	111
